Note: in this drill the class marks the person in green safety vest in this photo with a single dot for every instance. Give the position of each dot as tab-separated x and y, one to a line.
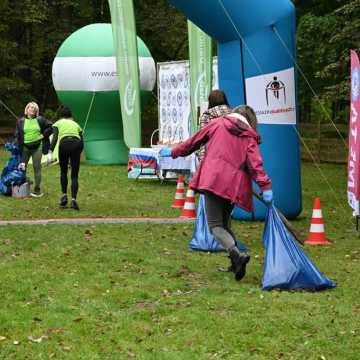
68	133
32	137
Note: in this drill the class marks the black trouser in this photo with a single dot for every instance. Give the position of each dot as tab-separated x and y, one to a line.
70	149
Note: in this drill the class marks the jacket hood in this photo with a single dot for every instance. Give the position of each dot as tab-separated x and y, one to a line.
239	128
217	111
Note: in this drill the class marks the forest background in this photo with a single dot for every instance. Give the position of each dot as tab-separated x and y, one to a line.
32	31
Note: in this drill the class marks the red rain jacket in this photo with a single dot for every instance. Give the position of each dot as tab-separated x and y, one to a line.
231	161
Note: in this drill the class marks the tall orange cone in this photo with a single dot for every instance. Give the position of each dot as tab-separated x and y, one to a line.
317	230
179	199
189	206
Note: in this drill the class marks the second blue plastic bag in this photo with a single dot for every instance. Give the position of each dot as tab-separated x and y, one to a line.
286	265
203	239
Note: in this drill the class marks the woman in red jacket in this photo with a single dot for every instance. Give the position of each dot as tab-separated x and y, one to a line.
232	160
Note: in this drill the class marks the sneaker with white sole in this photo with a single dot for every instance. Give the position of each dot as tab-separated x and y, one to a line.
36	194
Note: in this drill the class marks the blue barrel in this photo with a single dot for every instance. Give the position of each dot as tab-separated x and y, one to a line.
256	59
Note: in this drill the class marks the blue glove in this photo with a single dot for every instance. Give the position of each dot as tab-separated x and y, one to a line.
267	196
165	152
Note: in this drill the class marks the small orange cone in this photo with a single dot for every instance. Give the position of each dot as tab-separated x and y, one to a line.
317	230
189	206
179	199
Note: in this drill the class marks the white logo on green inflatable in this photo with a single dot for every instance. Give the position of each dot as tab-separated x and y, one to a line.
129	98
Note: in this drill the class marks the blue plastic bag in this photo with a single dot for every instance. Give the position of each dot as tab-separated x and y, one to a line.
14	160
13	148
203	239
10	175
286	265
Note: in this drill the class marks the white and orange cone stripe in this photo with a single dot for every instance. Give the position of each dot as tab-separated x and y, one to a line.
317	227
189	206
179	198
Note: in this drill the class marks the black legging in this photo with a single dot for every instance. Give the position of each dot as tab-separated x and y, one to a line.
70	148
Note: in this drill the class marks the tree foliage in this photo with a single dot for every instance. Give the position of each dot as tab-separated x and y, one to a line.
30	35
31	32
326	32
162	28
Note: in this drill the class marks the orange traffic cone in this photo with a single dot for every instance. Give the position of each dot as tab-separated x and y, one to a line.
189	206
317	230
179	199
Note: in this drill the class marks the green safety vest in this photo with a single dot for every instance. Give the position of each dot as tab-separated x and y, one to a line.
32	131
67	127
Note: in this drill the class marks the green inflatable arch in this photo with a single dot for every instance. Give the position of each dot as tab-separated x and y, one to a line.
85	80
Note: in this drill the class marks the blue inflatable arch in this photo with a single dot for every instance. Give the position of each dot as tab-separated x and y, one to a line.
256	57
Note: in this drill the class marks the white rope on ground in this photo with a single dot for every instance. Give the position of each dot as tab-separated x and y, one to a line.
89	110
316	96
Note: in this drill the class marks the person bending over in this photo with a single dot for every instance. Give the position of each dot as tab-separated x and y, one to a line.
231	161
32	137
69	135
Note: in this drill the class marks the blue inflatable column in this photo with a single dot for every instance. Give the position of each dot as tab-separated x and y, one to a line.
256	52
230	58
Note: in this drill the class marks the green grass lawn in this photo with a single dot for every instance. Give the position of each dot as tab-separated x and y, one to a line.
104	191
136	291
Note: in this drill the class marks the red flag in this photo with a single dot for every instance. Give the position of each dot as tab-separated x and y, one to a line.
354	136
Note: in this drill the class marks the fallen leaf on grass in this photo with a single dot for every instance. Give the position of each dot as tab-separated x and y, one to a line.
184	270
88	234
56	331
78	319
38	340
2	338
166	252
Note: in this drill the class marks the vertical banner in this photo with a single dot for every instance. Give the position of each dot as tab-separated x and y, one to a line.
354	134
200	70
174	102
125	44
